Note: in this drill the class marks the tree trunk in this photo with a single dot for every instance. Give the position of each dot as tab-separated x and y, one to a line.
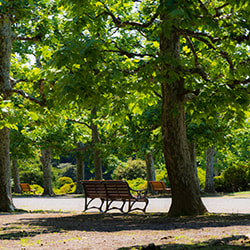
97	152
150	169
47	180
6	203
15	171
209	184
80	167
192	151
186	198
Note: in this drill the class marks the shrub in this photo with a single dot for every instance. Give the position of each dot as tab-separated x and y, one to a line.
219	184
232	179
132	170
66	188
64	180
162	175
235	178
137	183
38	188
202	177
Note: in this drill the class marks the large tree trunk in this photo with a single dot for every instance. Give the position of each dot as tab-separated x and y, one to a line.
186	198
97	152
209	184
80	167
47	180
192	151
15	172
6	203
150	169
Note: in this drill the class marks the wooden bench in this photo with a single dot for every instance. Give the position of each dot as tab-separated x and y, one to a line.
110	191
159	186
25	187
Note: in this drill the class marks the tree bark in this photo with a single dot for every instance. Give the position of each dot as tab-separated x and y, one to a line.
80	167
209	184
47	180
6	203
192	151
97	152
15	171
150	169
186	198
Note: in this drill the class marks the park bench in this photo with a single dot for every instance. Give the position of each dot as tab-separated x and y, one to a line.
159	186
110	191
25	187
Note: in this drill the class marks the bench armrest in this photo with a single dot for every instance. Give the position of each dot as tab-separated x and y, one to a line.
140	193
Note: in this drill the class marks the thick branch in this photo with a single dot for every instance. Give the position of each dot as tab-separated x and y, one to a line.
119	23
79	122
196	63
27	96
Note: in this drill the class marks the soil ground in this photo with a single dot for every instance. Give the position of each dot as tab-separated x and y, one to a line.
28	231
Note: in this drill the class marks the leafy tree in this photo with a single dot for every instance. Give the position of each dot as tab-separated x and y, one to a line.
189	50
19	21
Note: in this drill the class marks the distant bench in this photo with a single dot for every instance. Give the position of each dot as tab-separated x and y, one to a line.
110	191
25	187
159	186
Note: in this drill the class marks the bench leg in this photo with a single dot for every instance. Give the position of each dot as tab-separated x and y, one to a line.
88	203
131	204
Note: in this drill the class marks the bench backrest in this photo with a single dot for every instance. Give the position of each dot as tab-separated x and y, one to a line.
102	189
117	190
94	189
25	187
157	185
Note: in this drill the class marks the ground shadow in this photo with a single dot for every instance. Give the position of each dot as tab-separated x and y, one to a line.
32	224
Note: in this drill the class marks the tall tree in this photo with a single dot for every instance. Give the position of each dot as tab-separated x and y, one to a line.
188	49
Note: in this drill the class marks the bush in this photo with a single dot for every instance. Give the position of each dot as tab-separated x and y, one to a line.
219	184
137	183
67	170
232	179
64	180
235	178
162	175
202	177
38	188
67	188
132	170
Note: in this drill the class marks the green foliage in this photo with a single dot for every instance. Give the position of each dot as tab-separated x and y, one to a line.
137	183
31	171
64	180
69	171
233	179
38	188
202	177
162	174
132	170
219	183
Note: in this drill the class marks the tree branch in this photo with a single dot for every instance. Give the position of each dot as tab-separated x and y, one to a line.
119	23
196	63
79	122
27	96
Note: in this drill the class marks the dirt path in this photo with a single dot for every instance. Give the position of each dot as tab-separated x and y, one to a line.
32	231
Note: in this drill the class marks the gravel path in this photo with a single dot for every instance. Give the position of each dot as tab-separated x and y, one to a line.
69	204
